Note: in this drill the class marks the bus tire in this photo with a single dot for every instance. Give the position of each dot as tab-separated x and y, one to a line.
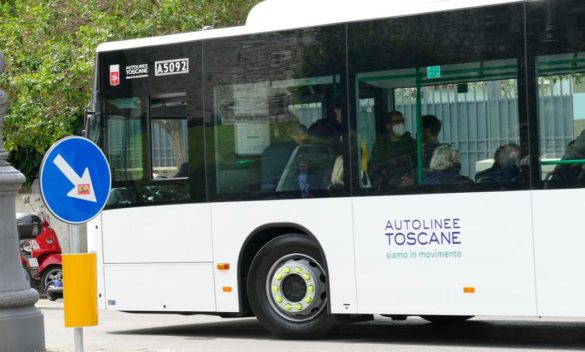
446	319
287	289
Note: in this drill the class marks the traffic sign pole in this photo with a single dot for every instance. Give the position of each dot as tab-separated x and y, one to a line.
74	239
76	248
75	185
78	338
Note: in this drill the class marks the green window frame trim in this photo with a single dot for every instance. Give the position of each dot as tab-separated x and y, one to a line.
562	162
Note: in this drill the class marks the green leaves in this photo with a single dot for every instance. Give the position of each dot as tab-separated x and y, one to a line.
50	53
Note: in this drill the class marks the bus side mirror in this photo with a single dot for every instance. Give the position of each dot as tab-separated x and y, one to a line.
88	116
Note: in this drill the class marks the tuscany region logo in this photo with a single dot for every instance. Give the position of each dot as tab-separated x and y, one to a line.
114	75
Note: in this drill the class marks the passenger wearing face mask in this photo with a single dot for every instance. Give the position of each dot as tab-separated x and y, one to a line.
393	161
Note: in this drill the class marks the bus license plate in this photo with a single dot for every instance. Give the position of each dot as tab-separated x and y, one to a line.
33	263
171	67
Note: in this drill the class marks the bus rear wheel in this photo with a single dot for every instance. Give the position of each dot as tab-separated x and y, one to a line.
287	288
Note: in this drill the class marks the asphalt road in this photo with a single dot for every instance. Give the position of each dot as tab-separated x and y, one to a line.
124	332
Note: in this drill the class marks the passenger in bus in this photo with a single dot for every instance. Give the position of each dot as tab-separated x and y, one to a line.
393	161
506	167
572	174
445	168
308	180
183	171
337	181
328	130
276	156
431	126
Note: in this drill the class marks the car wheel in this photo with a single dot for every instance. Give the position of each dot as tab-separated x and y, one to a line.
288	289
50	274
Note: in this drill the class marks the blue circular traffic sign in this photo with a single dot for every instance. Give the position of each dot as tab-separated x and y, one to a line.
75	179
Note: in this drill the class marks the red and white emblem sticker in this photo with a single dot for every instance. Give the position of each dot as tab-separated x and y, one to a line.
114	75
83	189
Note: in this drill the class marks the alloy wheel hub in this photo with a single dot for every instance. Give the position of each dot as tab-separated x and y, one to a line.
296	287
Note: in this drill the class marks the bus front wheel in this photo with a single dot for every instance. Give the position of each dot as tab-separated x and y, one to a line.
287	288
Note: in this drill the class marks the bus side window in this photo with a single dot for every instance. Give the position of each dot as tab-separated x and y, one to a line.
259	150
561	123
262	92
168	130
123	142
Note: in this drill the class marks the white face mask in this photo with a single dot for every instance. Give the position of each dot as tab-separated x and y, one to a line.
399	129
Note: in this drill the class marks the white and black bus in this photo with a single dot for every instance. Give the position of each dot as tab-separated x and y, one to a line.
329	162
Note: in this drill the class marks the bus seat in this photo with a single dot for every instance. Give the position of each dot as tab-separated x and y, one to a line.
320	160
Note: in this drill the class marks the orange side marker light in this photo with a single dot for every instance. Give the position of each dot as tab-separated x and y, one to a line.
223	266
227	289
469	290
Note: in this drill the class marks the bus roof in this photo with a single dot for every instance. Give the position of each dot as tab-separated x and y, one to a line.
273	15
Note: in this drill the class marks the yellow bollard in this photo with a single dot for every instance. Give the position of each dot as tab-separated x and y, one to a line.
80	290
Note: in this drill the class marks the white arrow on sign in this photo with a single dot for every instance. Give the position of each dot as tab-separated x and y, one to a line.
82	186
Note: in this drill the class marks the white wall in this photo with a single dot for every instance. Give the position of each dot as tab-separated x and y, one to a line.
60	227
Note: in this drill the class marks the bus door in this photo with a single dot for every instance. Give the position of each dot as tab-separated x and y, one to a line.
435	232
157	227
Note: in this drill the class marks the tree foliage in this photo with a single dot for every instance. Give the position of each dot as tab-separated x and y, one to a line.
50	52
